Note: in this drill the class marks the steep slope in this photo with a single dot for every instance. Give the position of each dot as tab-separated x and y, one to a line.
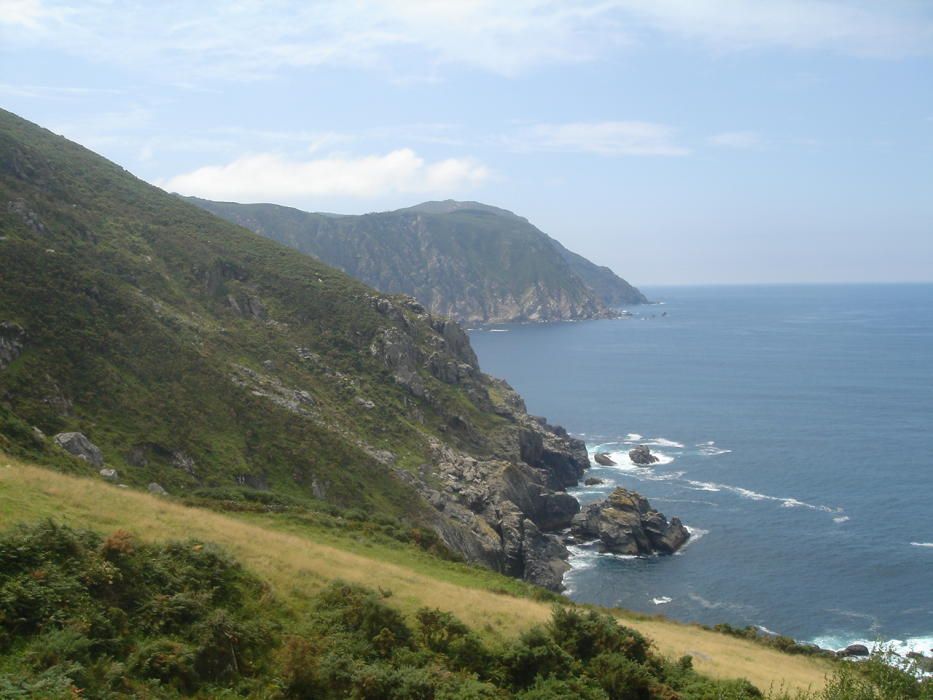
200	356
466	260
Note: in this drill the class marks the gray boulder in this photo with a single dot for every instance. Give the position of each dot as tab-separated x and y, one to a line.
604	459
157	490
109	474
642	456
625	523
82	448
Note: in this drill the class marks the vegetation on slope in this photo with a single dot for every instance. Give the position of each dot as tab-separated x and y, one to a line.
296	560
466	260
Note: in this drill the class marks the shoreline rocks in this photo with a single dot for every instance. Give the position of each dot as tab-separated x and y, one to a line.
625	523
642	456
604	459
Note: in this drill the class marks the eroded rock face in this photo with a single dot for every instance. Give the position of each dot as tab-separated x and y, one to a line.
82	448
12	341
625	523
642	456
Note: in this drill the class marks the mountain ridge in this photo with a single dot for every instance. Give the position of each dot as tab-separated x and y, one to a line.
467	260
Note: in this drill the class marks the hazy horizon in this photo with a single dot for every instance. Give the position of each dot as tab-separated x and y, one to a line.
719	142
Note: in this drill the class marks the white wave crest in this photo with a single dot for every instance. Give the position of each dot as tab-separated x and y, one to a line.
921	544
841	519
785	501
633	437
696	534
661	600
710	449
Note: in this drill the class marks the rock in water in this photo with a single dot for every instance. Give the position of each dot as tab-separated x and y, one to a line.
642	456
604	459
625	523
855	650
78	445
592	481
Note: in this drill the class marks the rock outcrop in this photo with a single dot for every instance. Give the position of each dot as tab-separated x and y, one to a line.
604	459
12	338
82	448
642	456
625	523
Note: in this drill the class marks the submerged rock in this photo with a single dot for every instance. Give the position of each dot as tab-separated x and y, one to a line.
82	448
642	456
604	459
592	481
625	523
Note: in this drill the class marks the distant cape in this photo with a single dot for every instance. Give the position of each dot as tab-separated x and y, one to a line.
470	261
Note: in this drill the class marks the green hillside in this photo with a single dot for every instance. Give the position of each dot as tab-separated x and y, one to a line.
206	359
466	260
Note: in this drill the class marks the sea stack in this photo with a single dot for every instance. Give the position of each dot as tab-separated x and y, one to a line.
642	456
625	523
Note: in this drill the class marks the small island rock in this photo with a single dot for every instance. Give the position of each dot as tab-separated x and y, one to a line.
855	650
604	459
625	523
642	456
592	481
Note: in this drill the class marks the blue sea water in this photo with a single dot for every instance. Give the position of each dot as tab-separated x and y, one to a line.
795	429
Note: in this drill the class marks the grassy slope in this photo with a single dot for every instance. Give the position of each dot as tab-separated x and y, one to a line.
297	563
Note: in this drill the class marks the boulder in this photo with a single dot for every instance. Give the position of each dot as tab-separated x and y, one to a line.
82	448
922	663
625	523
604	459
592	481
154	488
109	474
642	456
855	650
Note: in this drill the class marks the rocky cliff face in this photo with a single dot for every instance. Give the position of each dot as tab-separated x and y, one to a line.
501	503
465	260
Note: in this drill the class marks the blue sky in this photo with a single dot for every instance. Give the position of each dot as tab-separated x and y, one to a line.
677	141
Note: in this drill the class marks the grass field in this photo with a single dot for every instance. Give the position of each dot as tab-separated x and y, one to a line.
296	562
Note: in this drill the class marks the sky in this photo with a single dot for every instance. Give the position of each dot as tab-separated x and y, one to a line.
676	141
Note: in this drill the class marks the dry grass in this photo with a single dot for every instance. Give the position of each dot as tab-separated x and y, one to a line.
296	567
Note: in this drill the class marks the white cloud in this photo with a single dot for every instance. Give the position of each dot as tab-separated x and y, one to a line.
30	14
611	138
247	40
736	139
890	28
267	176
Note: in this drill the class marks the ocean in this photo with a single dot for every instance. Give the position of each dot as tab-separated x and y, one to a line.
795	430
